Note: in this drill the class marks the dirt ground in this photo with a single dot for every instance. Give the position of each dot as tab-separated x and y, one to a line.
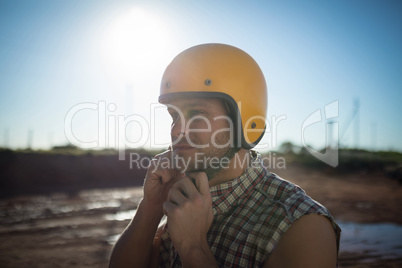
78	231
359	197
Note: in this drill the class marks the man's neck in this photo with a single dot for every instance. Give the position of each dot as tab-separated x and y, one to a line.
236	167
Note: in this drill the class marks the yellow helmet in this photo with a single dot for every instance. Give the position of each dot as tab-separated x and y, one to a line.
225	72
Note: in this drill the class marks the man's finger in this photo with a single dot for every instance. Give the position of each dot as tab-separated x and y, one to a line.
202	184
164	174
176	197
186	186
168	207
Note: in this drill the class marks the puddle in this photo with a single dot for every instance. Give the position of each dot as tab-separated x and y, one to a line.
29	209
121	215
372	240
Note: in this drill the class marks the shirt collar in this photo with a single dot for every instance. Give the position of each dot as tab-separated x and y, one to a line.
225	195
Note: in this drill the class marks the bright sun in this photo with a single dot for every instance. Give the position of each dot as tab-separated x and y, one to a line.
135	43
136	48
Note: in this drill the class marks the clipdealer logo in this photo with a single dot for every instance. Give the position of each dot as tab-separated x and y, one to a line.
111	128
331	111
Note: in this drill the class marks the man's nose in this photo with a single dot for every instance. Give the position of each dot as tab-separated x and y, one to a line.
178	129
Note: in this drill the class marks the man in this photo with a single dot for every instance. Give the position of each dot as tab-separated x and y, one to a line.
223	207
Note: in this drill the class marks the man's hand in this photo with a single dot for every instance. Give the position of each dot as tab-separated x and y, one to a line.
189	212
159	180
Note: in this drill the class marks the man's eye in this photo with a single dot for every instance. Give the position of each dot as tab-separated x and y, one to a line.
193	113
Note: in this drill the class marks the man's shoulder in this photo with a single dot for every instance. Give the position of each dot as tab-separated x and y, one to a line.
293	199
277	188
270	191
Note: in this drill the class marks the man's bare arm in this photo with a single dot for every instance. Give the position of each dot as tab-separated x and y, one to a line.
309	242
134	247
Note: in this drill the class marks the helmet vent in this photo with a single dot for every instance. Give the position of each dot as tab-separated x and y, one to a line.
168	84
253	125
208	82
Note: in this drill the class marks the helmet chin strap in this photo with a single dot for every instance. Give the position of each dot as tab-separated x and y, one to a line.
212	171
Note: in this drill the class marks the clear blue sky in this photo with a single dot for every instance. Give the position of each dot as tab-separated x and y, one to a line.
55	55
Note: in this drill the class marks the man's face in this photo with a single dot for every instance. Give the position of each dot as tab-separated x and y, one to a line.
201	132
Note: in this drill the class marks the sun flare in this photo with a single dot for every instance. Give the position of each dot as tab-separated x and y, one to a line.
134	44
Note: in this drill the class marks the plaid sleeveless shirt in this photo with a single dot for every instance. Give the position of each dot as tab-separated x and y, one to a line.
251	213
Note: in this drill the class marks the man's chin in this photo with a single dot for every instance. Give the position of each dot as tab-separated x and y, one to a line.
188	168
185	161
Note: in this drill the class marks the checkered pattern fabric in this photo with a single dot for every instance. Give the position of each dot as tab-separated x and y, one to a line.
251	213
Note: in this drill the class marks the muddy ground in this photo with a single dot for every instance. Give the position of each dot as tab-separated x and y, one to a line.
78	230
